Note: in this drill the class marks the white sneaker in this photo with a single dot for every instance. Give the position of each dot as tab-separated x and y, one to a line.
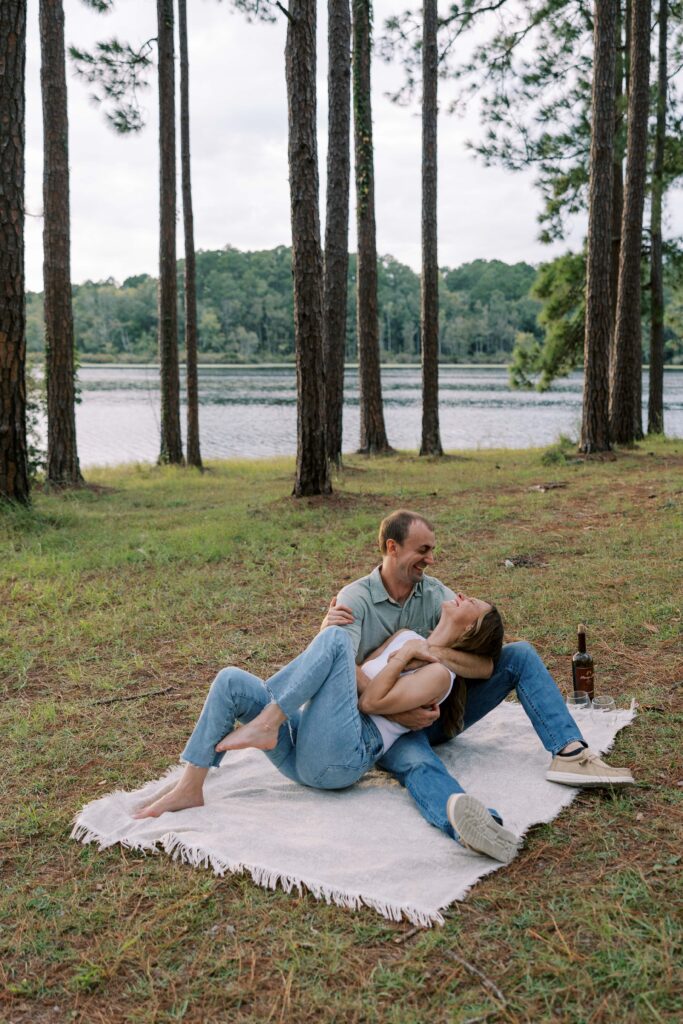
477	830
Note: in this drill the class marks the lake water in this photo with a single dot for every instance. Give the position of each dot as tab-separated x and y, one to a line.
251	411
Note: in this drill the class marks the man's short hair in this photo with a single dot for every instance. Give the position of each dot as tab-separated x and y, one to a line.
396	526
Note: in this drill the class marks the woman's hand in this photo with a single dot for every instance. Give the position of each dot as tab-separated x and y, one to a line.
413	650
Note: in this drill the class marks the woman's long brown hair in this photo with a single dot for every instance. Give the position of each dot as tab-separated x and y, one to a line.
487	641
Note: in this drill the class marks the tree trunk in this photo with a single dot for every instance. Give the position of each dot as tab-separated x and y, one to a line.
595	417
312	467
337	219
627	365
429	286
14	480
373	435
617	174
171	440
655	414
62	455
194	457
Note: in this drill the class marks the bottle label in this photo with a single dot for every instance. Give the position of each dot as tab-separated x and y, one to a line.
584	679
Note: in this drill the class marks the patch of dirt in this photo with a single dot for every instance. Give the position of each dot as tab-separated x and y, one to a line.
530	561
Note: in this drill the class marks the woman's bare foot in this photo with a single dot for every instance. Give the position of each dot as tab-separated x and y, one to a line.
260	733
180	798
187	792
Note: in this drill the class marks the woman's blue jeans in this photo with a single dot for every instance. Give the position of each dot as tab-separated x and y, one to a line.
519	667
328	743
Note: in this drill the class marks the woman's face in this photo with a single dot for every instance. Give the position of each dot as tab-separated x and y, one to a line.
468	613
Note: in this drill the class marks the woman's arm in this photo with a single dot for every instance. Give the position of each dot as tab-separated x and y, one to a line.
409	693
363	681
425	686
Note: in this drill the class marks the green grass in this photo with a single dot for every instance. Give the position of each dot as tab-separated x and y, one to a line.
156	578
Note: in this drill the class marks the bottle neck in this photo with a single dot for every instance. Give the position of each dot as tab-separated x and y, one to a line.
582	643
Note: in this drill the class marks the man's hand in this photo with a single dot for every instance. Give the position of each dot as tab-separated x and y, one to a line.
337	615
420	718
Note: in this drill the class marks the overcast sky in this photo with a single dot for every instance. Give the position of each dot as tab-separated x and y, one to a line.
239	156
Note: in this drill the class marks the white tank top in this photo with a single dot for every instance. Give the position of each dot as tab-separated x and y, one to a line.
390	731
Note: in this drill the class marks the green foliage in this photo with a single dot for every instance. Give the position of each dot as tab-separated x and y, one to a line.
559	454
118	72
560	285
35	411
101	6
530	68
245	311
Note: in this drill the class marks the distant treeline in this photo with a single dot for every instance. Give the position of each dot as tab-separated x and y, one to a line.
245	311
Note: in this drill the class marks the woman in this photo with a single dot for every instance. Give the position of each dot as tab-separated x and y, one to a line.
342	730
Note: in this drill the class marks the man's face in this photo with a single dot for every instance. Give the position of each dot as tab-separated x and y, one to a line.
415	554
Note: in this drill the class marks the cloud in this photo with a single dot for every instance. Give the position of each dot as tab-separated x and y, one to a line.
239	157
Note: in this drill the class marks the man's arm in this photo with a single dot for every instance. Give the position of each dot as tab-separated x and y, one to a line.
462	663
348	617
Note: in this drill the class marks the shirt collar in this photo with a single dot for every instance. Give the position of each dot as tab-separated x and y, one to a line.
378	591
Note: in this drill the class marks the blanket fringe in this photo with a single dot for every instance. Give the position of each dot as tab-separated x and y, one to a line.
267	878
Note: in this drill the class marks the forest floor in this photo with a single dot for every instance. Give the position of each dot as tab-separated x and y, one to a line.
149	581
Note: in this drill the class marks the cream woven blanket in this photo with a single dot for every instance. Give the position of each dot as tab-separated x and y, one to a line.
365	846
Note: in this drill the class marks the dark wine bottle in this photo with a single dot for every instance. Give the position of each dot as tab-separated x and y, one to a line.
582	667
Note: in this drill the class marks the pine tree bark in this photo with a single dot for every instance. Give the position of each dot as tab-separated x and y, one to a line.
627	365
429	285
312	467
171	450
14	478
194	457
373	435
62	469
655	413
337	219
617	174
595	416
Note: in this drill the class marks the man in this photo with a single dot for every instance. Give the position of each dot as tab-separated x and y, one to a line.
399	594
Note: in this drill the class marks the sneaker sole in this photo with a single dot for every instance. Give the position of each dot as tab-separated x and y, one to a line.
478	830
584	781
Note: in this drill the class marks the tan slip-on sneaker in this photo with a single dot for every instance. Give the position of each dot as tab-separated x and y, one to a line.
477	830
584	768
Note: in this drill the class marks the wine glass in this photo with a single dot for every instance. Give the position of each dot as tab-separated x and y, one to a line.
604	704
578	701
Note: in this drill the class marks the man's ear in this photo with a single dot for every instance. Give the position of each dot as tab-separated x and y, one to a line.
391	546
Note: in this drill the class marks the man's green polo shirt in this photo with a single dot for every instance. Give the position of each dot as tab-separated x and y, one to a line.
376	615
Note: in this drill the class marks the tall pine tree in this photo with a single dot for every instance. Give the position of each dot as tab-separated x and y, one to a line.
337	218
373	435
595	435
429	291
62	467
312	466
194	457
14	477
171	449
626	368
655	412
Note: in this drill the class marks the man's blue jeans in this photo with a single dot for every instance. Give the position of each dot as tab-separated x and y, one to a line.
519	667
328	743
